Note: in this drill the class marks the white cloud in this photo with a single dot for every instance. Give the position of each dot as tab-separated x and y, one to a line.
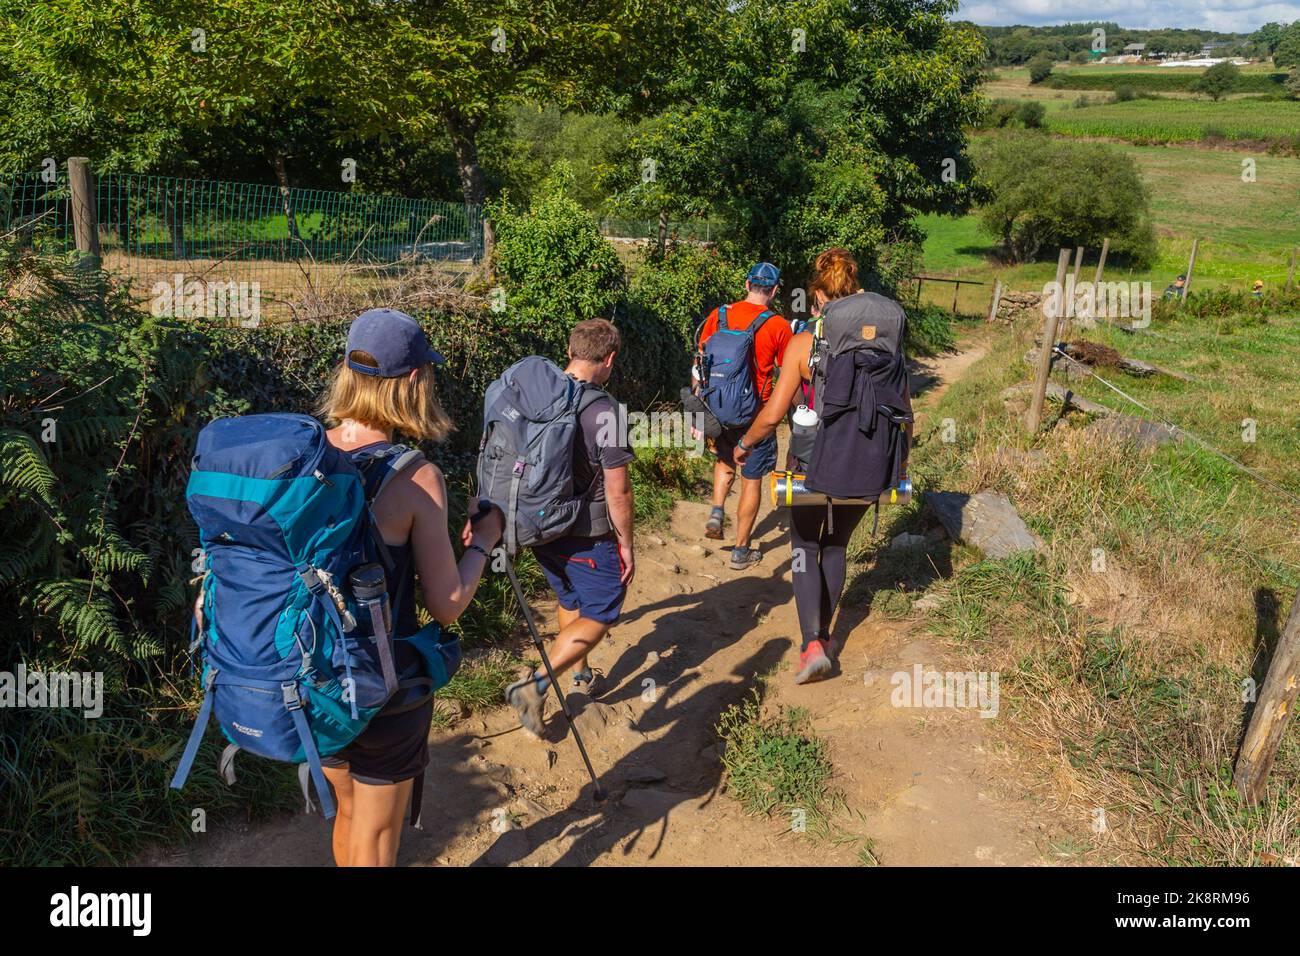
1227	16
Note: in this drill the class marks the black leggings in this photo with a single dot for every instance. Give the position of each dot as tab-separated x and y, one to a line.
819	571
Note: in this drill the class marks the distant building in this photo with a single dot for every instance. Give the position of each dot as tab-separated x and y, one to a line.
1136	49
1209	48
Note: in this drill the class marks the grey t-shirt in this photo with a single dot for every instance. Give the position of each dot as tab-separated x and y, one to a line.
603	444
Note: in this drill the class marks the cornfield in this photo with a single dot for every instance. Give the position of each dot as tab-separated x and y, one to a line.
1169	120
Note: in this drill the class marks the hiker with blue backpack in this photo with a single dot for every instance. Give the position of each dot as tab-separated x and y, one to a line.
313	540
738	348
849	440
553	459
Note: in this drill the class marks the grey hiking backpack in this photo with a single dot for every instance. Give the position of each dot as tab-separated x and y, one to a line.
525	464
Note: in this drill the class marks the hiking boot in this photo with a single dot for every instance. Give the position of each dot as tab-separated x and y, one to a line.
586	682
713	527
742	558
814	665
528	702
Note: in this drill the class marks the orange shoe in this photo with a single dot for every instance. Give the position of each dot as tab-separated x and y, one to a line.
814	665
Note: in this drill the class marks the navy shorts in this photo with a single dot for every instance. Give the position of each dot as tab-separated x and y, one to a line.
761	461
586	575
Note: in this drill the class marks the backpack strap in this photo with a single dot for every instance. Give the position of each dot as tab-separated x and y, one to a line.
377	470
196	735
752	333
757	324
722	316
595	516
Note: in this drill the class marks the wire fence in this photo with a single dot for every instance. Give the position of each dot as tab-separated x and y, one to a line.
638	229
292	248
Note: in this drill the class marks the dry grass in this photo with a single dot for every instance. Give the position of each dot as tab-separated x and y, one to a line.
303	290
1124	683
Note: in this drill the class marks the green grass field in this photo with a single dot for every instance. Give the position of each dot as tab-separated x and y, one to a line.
1175	115
1246	230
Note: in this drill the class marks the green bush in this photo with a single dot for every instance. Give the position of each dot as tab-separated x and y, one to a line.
1040	68
553	265
1046	193
1218	81
667	298
929	331
1030	114
1005	113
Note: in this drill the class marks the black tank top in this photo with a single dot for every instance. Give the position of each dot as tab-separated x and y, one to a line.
401	581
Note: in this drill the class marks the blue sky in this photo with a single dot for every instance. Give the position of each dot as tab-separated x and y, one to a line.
1229	16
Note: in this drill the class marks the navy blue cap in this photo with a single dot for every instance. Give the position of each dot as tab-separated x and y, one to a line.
764	274
395	340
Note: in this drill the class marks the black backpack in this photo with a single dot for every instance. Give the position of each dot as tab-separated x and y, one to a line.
859	391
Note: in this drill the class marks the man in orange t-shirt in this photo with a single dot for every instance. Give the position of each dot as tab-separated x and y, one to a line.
761	287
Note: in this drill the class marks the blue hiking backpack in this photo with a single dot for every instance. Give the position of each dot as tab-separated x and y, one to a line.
296	659
725	364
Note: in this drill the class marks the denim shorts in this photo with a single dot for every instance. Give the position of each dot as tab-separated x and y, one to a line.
761	460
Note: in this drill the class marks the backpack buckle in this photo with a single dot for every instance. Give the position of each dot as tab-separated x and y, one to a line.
520	464
292	699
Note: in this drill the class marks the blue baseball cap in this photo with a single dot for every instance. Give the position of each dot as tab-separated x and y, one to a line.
764	274
395	340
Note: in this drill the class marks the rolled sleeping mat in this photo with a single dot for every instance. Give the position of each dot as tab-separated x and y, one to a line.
787	489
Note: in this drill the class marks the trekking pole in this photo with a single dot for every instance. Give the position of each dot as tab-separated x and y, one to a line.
599	794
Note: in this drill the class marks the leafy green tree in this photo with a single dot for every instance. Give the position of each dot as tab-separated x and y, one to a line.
812	123
555	267
1292	85
1043	194
1286	52
1040	67
378	68
1218	81
1268	36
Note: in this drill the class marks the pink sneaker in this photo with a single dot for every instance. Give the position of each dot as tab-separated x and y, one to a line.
814	665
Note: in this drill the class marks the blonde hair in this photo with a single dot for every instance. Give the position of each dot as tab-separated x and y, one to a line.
399	404
837	273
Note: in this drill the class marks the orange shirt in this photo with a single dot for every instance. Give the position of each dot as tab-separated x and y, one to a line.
769	344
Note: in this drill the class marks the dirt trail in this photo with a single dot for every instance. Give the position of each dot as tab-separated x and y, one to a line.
921	784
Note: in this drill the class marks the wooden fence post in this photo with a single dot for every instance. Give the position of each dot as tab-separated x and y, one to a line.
1272	711
1071	298
1049	341
85	212
1191	264
1290	272
997	300
1096	280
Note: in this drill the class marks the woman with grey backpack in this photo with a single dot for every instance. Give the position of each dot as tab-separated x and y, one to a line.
849	444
